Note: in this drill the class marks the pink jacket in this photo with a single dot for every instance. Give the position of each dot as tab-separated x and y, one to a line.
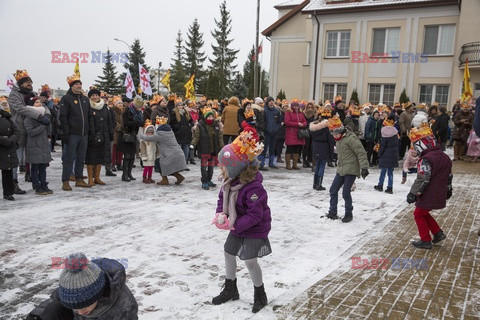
410	160
291	127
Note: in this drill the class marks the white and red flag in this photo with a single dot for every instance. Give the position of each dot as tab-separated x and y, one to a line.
10	82
129	85
145	80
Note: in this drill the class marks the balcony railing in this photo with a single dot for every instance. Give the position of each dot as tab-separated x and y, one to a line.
471	51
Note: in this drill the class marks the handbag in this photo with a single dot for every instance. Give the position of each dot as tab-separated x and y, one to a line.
129	138
303	133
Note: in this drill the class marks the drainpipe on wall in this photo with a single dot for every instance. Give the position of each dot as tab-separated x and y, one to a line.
316	57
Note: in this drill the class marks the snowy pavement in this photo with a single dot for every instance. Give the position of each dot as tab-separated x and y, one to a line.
174	256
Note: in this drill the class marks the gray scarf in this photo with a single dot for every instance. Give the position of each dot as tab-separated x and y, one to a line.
230	195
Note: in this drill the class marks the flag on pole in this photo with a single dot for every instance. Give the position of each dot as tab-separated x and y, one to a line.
466	88
76	70
260	48
190	88
10	82
166	80
145	80
130	87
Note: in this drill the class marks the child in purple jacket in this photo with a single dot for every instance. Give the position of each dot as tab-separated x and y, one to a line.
243	200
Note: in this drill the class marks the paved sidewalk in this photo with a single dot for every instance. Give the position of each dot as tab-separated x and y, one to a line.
445	285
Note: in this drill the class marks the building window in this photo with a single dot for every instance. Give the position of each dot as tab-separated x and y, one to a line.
430	93
309	56
386	41
439	40
331	90
381	93
338	44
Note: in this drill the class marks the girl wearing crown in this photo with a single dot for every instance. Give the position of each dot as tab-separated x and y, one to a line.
148	152
388	154
243	209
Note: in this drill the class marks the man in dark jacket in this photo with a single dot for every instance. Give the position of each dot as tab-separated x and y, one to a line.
75	121
476	122
432	188
440	127
273	120
92	290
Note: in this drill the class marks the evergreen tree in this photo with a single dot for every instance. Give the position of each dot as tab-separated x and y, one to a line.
194	56
178	76
403	97
238	87
109	82
136	56
281	95
354	96
212	90
224	55
248	76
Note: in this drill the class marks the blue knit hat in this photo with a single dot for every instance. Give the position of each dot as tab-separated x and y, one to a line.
81	282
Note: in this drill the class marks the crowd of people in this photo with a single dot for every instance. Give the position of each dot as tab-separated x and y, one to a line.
242	138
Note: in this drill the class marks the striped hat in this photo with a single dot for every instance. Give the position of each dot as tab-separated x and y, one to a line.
81	282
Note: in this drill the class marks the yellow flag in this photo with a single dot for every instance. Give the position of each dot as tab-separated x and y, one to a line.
166	80
139	89
190	88
467	89
76	70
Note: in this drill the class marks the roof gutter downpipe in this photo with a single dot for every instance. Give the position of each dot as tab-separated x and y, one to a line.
316	56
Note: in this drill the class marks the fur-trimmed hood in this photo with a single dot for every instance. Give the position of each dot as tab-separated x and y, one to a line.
318	125
257	107
388	132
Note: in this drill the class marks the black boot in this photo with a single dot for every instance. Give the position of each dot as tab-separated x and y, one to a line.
125	170
320	187
109	173
130	166
27	177
315	182
192	161
229	292
119	167
347	218
259	299
389	190
332	215
439	236
422	244
17	189
378	188
22	169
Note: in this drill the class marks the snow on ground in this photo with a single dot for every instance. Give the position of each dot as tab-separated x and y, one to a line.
175	257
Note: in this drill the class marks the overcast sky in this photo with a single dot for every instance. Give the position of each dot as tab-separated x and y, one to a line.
32	29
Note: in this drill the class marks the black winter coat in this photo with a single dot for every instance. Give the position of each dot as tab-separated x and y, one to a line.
101	124
130	126
440	127
182	129
9	136
74	114
322	142
388	152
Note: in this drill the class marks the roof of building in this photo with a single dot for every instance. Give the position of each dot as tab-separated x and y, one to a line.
288	4
267	32
370	5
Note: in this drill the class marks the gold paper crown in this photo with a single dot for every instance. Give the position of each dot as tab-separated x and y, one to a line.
338	98
389	123
380	107
422	106
367	104
172	97
215	104
191	103
178	100
160	120
284	101
294	100
334	123
45	87
327	103
247	144
207	109
465	105
202	99
156	99
396	104
117	99
435	104
325	112
72	78
21	74
406	105
245	101
420	132
148	122
56	100
355	111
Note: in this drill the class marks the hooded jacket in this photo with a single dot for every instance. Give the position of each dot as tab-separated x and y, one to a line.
9	136
352	157
388	152
74	114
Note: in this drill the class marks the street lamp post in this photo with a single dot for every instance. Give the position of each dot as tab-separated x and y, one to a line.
158	77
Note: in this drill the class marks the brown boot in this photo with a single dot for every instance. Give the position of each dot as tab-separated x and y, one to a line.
145	180
455	151
66	186
81	183
288	157
296	156
179	177
90	173
461	150
72	178
164	181
96	174
149	179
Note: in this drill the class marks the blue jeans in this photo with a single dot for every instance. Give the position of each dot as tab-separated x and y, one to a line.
347	183
38	173
410	171
186	150
320	167
389	173
77	146
270	145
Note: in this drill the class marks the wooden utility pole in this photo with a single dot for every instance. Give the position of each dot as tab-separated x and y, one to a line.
255	63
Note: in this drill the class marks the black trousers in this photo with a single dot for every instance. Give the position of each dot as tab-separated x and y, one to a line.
404	145
7	182
371	154
208	162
